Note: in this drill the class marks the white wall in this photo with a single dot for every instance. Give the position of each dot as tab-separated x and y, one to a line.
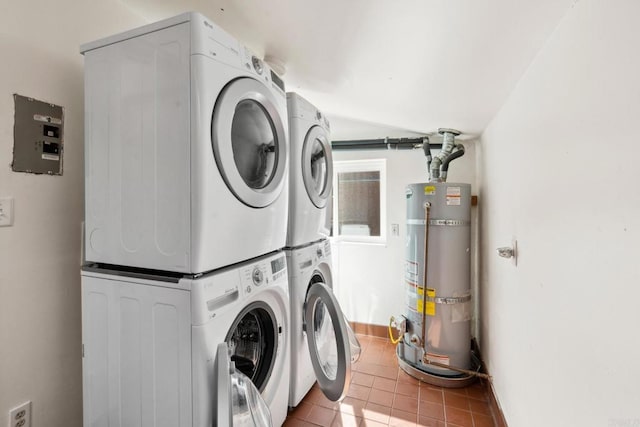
558	169
40	346
370	277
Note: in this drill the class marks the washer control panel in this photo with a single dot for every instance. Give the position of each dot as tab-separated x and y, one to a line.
278	267
257	276
327	248
323	249
263	273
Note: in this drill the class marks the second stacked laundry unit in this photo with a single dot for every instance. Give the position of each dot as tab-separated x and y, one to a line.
323	346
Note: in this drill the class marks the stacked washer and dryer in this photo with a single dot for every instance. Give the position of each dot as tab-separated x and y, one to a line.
192	312
323	346
185	298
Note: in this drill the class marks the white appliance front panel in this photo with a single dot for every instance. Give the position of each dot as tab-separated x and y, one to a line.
136	354
222	225
303	264
155	198
307	222
217	300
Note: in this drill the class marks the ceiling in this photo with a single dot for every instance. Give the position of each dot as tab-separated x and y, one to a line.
389	68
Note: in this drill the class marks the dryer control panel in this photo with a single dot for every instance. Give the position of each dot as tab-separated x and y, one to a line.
211	40
299	107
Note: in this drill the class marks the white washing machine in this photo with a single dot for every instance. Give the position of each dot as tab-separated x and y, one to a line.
151	351
310	173
324	355
186	150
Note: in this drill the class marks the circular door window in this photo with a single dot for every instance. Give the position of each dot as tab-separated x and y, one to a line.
238	402
327	347
249	142
253	342
320	316
328	341
254	144
317	166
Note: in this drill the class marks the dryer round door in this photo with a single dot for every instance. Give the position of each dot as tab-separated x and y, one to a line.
249	142
328	341
238	401
317	166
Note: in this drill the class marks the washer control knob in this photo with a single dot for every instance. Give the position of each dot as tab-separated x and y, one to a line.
249	289
319	252
318	115
257	64
257	276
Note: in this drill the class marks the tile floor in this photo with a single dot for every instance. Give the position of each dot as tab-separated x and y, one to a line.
381	394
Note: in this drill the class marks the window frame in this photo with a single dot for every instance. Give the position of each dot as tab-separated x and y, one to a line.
365	165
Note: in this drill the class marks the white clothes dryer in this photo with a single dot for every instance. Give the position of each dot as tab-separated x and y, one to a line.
186	150
310	172
323	345
151	352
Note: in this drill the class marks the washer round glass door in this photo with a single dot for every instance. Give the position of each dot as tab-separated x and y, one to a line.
328	341
249	142
239	403
253	342
317	166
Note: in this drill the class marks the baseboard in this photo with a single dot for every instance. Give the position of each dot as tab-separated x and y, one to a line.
371	330
498	416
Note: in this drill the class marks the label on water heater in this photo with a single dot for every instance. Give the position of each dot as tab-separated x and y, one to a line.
429	190
431	305
437	358
411	271
453	196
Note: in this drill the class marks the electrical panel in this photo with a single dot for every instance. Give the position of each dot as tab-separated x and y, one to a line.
37	136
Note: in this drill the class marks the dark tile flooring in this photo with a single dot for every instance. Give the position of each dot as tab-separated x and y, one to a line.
381	394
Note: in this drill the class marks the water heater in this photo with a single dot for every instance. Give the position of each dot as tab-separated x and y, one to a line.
437	278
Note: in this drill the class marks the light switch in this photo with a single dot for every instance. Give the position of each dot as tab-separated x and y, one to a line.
6	211
395	229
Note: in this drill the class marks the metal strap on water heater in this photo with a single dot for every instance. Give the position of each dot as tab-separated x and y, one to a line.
449	222
450	300
445	222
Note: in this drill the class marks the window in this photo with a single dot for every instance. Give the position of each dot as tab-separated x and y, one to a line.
359	200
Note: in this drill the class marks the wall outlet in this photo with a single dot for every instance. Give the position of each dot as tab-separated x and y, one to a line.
395	229
20	416
6	211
